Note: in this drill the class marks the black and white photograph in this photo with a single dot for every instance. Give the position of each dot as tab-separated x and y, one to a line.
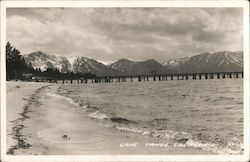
124	80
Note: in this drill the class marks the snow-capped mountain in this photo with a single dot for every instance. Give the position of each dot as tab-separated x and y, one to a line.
223	61
71	60
43	61
86	65
76	64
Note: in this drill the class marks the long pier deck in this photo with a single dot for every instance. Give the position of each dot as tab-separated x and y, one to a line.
155	77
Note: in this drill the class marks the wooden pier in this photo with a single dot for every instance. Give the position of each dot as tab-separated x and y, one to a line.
155	77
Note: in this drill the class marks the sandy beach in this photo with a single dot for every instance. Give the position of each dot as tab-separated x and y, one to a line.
41	122
19	96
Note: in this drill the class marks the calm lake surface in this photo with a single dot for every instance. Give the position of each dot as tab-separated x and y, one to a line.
192	111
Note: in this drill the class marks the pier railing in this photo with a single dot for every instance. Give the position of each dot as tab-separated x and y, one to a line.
155	77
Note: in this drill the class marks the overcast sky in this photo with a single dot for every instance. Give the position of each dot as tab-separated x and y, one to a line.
134	33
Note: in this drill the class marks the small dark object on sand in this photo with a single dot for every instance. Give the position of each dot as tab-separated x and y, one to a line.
66	137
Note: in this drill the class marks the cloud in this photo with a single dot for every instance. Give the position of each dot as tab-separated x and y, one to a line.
108	34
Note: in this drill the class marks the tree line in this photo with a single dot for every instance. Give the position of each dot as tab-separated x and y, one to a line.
16	67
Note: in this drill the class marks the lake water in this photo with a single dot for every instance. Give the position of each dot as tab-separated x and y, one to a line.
192	112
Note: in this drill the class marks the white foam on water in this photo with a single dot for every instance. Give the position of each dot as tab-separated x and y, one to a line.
98	115
146	132
109	125
54	95
234	146
84	107
128	129
69	100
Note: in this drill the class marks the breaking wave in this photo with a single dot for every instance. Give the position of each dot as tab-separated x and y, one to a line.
98	115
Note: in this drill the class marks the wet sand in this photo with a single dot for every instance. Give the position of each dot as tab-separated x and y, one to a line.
47	124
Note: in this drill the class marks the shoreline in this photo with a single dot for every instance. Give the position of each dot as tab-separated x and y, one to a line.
17	129
56	127
20	95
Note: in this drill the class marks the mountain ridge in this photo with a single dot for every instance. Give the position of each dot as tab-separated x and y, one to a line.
222	61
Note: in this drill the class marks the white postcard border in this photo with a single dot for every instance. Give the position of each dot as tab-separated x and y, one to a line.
242	4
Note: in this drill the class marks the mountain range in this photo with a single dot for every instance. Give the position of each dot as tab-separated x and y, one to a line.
223	61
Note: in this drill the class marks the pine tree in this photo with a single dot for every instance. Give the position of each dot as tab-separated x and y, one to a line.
15	64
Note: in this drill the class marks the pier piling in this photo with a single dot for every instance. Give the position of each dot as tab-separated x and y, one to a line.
200	76
212	76
218	75
139	78
223	75
158	77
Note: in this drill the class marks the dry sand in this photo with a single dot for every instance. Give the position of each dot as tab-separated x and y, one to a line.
40	122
